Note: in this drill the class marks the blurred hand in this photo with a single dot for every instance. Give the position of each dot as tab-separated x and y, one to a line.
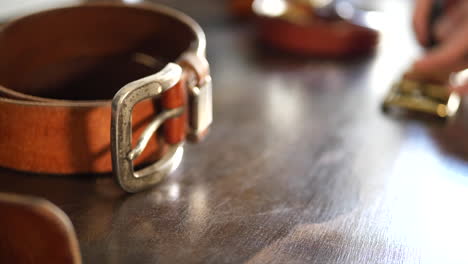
450	31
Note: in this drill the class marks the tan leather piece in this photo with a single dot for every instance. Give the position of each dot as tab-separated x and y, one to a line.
241	8
59	70
35	231
62	139
319	38
300	30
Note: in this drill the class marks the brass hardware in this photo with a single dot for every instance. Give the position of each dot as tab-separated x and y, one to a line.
420	96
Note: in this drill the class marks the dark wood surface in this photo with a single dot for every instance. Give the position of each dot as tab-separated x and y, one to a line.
300	167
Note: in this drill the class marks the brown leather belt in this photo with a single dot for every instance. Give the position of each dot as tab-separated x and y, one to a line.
60	69
293	26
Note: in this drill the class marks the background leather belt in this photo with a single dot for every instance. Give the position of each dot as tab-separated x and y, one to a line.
60	69
295	26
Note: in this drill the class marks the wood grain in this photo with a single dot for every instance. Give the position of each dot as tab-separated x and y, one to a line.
300	167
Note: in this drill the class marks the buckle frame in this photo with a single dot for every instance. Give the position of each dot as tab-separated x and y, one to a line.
121	131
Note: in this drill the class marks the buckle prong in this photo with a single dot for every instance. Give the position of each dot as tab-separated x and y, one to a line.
168	162
151	129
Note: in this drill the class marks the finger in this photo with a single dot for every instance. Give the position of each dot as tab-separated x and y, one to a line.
452	17
463	89
448	55
459	82
420	20
450	3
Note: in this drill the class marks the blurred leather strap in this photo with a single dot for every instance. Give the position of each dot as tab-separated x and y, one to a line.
35	231
59	70
298	30
240	8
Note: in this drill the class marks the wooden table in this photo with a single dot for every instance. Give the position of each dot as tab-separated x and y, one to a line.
301	167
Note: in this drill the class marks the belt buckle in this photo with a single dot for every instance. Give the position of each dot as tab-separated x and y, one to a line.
121	131
123	154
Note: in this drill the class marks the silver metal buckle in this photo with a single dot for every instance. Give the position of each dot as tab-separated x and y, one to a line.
121	131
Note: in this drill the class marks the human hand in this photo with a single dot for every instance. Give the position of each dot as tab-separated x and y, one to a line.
451	33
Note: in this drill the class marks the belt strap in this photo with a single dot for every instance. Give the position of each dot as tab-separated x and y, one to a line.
294	27
59	70
25	223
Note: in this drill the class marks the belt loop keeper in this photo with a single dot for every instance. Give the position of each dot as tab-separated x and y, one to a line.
198	64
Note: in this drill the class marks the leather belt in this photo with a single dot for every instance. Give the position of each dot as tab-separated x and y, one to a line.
83	89
294	26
